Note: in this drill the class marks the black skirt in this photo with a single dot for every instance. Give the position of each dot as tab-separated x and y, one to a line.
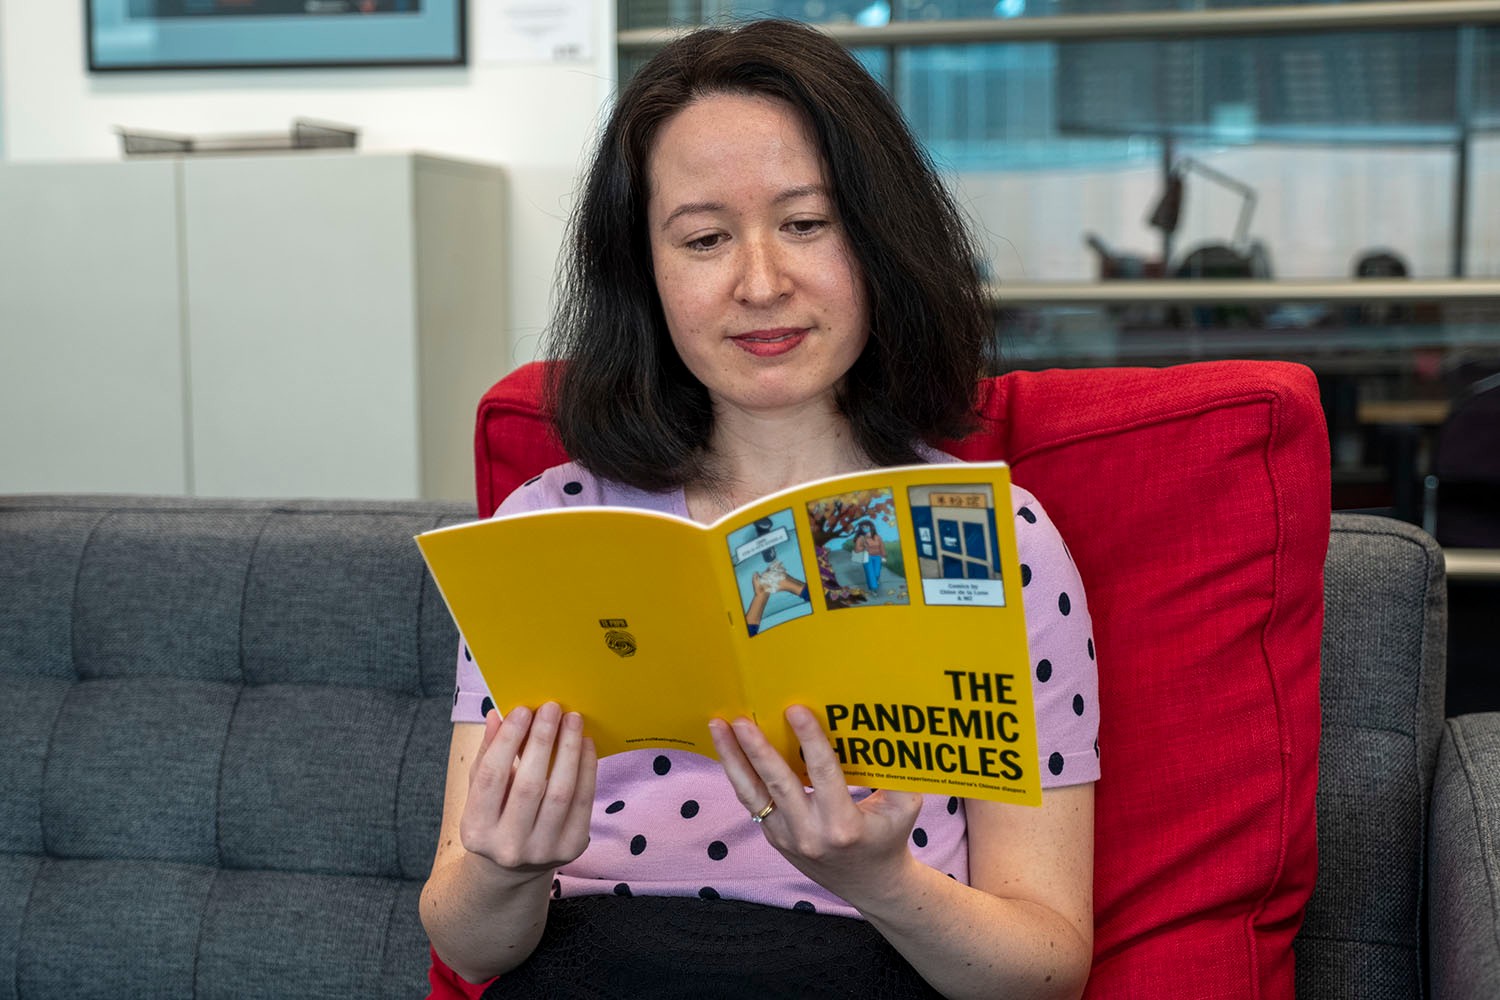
684	948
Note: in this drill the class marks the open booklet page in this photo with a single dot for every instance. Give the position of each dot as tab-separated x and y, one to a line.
887	601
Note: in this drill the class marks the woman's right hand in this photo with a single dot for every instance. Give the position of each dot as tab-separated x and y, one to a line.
527	812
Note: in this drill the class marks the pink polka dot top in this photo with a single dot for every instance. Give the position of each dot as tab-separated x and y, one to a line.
667	823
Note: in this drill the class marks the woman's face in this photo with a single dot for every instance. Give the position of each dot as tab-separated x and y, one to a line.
761	294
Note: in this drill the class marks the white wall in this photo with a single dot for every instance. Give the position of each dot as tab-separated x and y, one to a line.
537	121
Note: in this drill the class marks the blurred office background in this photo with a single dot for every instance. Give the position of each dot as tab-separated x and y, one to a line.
1339	162
1154	182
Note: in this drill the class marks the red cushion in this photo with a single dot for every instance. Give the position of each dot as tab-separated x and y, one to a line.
1195	500
513	441
449	985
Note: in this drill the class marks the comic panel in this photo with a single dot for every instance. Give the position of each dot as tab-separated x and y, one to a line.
858	544
958	553
767	566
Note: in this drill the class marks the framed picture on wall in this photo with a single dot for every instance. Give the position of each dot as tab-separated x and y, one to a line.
257	34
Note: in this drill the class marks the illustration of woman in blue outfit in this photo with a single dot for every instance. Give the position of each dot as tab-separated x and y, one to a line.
871	547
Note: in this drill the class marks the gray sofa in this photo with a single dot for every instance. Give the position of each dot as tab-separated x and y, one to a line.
223	728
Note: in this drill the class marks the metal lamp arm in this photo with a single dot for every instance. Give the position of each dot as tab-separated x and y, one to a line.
1242	226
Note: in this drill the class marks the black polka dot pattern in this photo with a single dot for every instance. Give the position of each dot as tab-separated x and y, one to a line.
531	480
455	696
487	706
653	784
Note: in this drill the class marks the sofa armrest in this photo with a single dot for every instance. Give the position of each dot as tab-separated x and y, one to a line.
1464	893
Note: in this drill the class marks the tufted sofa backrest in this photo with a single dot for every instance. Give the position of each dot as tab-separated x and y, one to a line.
223	727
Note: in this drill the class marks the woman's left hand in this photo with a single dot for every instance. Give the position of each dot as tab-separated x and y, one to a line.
853	849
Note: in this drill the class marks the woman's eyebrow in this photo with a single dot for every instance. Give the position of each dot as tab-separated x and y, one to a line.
691	208
790	194
802	191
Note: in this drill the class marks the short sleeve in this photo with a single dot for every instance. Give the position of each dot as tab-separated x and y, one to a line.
471	695
1060	637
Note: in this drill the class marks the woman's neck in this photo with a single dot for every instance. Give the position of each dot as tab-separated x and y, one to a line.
752	456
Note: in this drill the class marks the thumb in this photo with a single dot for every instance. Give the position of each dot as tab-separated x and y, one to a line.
899	806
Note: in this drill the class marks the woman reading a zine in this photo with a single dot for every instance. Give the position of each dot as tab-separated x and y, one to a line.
766	284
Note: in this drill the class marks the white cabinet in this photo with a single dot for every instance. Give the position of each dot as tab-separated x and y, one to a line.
91	367
285	325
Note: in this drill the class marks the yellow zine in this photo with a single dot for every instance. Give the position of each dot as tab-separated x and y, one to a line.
887	601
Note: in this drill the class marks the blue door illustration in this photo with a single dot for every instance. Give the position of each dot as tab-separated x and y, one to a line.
966	546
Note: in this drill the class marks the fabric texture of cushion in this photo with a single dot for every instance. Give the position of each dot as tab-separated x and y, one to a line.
1465	843
1195	501
222	739
1382	693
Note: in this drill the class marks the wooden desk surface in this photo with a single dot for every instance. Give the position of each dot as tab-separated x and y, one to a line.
1472	564
1418	412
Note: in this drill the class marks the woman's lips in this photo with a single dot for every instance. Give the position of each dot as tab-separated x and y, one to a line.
769	343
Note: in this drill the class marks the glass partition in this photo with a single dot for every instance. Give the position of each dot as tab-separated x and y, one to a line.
1156	182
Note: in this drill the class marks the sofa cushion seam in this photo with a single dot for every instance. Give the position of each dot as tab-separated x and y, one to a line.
208	898
1476	804
411	728
1273	882
73	605
239	692
36	877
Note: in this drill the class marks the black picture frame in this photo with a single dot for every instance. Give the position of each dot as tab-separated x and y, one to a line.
132	35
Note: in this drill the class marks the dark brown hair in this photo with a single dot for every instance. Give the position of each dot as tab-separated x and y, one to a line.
624	404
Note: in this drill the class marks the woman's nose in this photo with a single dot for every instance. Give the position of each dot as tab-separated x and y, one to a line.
763	277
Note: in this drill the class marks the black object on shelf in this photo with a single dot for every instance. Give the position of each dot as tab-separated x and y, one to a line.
304	134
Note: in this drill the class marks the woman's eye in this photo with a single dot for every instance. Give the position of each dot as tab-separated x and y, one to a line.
806	227
705	242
